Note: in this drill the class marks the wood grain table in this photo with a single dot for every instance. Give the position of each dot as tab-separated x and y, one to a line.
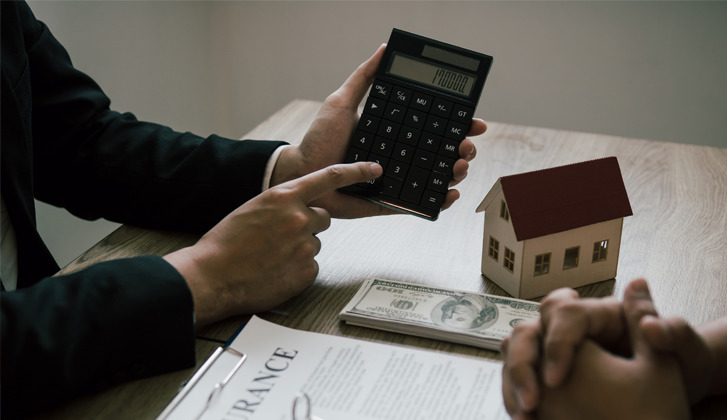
676	239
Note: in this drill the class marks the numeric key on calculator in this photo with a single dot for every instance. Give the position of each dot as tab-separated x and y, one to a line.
417	113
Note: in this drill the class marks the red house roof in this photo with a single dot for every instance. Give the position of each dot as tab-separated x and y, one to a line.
566	197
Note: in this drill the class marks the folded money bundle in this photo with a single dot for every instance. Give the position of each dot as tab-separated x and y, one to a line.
456	316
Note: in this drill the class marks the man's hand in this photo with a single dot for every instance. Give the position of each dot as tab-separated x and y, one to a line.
698	365
547	346
326	142
263	253
541	355
602	385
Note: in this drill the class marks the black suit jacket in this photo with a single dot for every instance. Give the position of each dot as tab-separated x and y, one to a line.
118	320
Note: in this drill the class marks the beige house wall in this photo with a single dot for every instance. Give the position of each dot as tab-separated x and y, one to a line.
522	282
586	272
503	231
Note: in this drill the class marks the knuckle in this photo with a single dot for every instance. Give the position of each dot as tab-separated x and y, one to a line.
279	194
326	217
555	345
335	172
680	324
298	221
641	308
573	308
302	276
520	372
563	293
527	328
567	309
307	250
309	273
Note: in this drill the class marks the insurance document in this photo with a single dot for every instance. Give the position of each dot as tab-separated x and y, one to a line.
341	378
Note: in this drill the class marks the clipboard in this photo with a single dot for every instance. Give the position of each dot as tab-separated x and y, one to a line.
301	402
198	375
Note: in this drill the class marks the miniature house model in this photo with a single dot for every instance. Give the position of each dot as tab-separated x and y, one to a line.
557	227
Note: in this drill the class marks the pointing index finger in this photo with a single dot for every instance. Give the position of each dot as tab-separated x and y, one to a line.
323	181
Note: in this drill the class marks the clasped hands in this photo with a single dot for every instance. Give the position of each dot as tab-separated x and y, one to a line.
604	359
263	253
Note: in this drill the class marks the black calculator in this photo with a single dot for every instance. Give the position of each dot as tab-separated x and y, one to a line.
419	109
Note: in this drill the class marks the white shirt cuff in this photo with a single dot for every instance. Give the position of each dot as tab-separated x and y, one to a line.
268	174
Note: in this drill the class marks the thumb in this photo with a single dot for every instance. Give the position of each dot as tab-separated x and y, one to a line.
638	304
355	87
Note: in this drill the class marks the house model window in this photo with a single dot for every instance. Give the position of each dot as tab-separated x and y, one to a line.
542	264
509	261
494	249
544	217
571	258
504	214
600	250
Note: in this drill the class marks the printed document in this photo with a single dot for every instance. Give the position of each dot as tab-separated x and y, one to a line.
344	378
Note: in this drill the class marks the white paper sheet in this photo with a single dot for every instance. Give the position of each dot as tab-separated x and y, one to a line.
346	379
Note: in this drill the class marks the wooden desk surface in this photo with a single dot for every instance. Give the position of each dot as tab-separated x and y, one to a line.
676	239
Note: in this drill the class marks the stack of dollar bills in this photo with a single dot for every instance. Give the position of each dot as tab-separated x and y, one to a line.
444	314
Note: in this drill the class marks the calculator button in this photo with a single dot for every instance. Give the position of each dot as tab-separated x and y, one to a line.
395	112
381	160
354	155
415	118
368	123
381	90
400	95
456	131
403	152
435	124
383	146
432	200
438	182
462	114
441	107
362	140
391	186
372	185
424	159
375	106
414	185
449	148
397	170
443	165
430	142
421	101
415	137
388	129
409	136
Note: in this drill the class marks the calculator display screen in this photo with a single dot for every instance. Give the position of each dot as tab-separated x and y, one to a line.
431	74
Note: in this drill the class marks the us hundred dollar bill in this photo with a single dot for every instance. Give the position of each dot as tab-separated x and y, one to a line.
457	316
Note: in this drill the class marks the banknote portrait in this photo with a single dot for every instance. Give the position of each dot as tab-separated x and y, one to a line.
468	312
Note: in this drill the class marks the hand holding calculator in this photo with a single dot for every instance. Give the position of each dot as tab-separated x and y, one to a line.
419	109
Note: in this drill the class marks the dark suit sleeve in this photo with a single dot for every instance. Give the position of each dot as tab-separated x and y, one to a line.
122	319
113	322
96	162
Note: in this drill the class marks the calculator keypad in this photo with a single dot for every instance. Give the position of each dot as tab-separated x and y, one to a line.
415	137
